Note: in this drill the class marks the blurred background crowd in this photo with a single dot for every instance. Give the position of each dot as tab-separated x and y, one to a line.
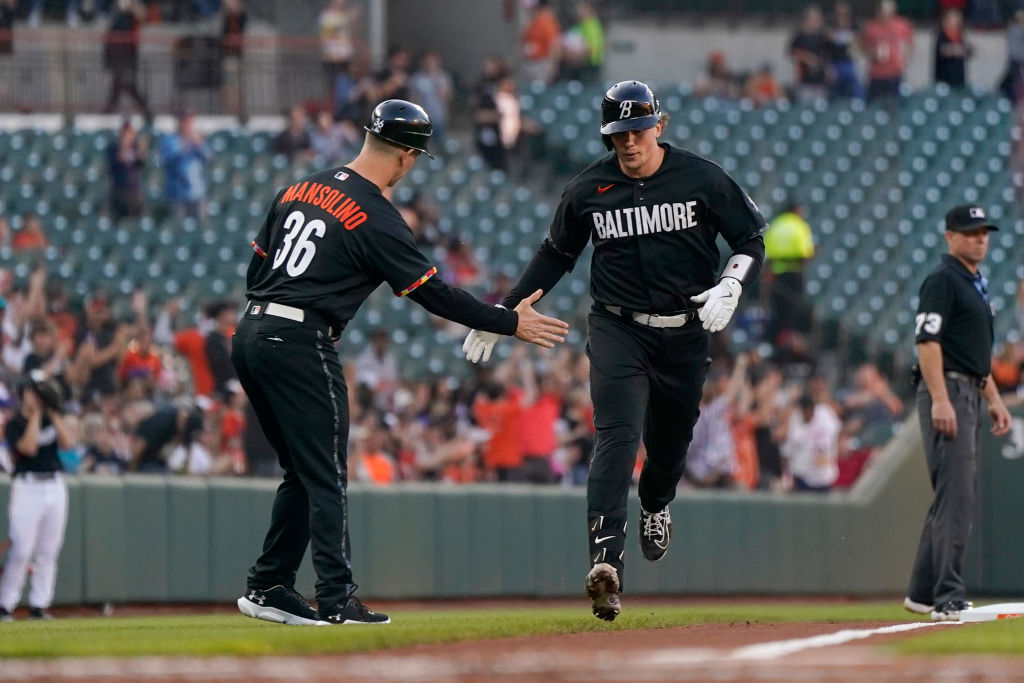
147	377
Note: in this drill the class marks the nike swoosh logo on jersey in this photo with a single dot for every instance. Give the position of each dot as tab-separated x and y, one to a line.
602	190
602	539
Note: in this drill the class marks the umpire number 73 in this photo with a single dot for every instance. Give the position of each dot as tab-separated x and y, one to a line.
931	323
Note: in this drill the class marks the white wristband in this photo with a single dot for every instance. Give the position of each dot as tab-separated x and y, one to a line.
737	267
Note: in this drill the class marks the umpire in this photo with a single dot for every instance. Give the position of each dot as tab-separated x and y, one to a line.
328	241
953	332
653	212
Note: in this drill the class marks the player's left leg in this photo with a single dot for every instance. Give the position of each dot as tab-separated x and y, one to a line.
676	384
52	524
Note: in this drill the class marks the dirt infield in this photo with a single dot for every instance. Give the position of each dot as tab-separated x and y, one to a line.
743	652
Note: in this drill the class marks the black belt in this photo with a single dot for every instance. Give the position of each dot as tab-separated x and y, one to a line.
677	319
977	382
257	309
37	476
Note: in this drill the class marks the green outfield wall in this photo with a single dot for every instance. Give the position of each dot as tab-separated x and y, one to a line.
150	538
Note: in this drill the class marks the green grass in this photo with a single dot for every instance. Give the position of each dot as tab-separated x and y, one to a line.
227	634
994	638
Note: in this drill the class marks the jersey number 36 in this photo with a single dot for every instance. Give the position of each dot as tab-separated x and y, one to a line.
298	242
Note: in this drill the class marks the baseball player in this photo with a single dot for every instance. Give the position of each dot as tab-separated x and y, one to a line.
653	213
328	241
39	497
953	333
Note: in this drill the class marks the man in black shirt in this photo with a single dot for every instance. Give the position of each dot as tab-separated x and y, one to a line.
39	497
653	212
954	348
328	241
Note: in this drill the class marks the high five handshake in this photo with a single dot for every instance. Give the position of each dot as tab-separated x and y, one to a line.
533	327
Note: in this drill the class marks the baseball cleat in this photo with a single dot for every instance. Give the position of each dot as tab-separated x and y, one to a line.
655	533
280	605
5	616
602	586
354	612
917	607
951	610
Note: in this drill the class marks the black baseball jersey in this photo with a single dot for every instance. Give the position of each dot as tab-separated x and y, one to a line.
654	238
45	458
330	239
954	312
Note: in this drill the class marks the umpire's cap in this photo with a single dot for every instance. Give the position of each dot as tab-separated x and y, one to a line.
402	123
629	105
967	217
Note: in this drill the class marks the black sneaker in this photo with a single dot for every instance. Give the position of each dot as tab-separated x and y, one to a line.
353	612
951	610
602	587
278	604
655	533
5	616
38	613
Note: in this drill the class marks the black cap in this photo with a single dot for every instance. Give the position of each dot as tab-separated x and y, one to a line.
402	123
967	217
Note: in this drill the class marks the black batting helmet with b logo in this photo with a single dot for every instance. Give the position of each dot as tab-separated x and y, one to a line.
629	105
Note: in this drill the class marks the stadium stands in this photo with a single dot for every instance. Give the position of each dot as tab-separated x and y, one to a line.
876	182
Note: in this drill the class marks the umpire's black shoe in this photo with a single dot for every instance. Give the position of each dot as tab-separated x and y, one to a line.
602	587
655	533
353	612
39	613
278	604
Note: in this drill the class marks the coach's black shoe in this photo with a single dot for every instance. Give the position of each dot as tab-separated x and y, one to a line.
39	613
5	616
278	604
353	612
951	610
655	533
602	587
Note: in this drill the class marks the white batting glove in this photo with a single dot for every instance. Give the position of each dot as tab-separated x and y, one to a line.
478	345
719	303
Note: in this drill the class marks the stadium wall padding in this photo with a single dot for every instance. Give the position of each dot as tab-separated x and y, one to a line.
143	538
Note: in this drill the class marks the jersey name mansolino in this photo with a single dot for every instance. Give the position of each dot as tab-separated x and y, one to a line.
331	200
645	220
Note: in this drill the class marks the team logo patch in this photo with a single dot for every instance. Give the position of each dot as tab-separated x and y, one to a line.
977	212
256	309
341	175
378	124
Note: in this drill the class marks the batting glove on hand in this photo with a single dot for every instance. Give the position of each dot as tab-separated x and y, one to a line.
478	345
719	303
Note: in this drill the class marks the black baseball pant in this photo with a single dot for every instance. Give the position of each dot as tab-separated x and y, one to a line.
645	383
293	377
937	576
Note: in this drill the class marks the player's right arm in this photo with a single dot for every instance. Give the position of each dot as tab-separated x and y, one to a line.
557	254
932	313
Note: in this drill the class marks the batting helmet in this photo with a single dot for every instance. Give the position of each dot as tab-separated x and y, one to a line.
402	123
629	105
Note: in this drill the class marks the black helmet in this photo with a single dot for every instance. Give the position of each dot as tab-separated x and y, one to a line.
402	123
629	105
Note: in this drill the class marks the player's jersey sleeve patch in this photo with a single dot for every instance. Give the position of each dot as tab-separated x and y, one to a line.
258	249
429	274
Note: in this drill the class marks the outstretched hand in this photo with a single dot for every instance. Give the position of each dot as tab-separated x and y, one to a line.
537	328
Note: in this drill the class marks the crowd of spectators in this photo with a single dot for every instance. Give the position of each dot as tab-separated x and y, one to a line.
150	388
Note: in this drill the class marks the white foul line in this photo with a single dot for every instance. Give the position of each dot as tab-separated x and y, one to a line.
781	648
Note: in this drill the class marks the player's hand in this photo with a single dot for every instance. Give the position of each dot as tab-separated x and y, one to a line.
719	303
478	345
536	328
944	418
1000	418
